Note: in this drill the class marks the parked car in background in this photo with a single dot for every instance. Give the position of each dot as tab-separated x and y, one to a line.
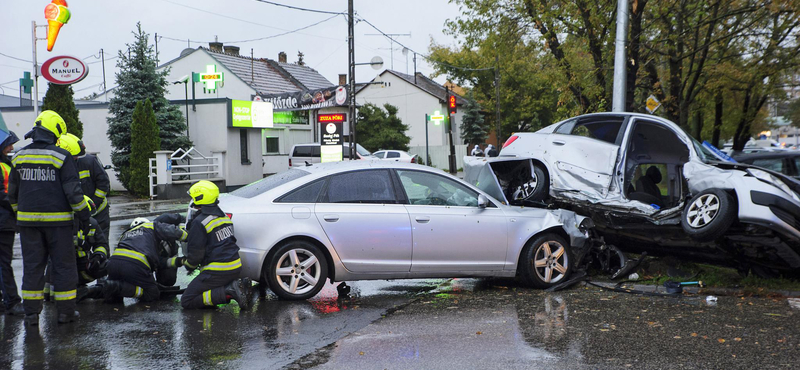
397	156
785	162
361	220
649	186
310	153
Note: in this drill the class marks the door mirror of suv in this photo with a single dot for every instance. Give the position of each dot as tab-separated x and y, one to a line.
483	201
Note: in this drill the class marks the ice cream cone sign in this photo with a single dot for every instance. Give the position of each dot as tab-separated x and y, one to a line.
57	15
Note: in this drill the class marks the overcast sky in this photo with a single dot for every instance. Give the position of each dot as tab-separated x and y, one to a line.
106	24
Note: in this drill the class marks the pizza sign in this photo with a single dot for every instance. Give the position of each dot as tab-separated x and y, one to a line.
64	70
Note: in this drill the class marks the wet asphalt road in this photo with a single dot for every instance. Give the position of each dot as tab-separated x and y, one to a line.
415	324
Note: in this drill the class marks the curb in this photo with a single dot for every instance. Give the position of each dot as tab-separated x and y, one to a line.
756	292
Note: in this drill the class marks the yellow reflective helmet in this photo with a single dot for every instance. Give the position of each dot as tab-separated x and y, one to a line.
204	192
69	142
90	203
52	122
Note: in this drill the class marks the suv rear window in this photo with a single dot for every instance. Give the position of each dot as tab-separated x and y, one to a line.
268	183
302	151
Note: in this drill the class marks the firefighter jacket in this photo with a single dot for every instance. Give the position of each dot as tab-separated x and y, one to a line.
8	220
44	187
143	243
94	180
211	242
95	242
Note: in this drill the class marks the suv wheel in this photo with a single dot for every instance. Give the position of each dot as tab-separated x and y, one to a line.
297	270
708	215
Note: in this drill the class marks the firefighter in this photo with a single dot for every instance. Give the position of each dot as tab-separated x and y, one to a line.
95	184
91	251
45	190
8	228
213	249
137	256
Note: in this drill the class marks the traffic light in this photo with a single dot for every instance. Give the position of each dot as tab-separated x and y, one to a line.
451	104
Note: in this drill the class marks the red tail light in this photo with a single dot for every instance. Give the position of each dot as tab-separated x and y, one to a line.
290	163
230	215
509	141
413	159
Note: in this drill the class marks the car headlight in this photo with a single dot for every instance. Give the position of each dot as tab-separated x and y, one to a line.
774	181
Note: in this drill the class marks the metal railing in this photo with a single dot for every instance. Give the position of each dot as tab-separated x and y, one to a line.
182	166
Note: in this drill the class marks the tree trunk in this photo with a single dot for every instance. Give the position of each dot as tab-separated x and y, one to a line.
698	125
717	118
743	128
634	59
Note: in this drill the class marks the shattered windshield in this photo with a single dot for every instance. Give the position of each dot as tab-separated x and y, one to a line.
705	155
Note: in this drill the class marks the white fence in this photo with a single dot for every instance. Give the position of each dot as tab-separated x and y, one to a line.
439	155
183	166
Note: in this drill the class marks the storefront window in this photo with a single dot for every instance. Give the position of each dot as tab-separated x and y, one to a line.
272	145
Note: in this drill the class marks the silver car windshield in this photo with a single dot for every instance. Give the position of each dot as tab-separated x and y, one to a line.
703	152
268	183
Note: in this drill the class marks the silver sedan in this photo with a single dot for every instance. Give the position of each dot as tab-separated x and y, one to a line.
361	220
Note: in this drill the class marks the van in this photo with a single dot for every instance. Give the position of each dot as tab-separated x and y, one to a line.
302	153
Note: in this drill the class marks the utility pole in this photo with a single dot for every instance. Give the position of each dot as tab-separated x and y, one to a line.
497	97
620	75
103	61
415	68
35	96
452	156
352	62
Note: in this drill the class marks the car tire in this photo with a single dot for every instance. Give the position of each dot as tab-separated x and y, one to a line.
297	270
708	215
536	189
551	251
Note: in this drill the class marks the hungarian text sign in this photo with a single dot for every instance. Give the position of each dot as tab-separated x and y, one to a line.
333	96
251	114
64	70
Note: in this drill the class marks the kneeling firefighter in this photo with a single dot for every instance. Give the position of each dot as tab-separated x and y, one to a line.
137	256
211	244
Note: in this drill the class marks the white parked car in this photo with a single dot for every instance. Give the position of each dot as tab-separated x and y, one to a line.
361	220
397	156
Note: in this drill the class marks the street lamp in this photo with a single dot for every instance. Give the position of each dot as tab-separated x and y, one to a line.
185	81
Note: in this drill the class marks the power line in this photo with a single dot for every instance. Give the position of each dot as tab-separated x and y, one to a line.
299	8
256	39
15	58
99	61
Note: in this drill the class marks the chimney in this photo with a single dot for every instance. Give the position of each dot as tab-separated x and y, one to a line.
230	49
342	79
282	57
215	46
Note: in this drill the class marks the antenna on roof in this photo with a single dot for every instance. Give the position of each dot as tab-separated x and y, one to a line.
216	39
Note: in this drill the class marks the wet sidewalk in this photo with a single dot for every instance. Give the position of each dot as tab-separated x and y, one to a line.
124	207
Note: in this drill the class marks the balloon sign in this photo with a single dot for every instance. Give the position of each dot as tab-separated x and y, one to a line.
57	15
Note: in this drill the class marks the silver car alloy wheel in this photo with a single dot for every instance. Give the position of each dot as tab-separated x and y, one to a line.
297	271
525	190
550	265
703	210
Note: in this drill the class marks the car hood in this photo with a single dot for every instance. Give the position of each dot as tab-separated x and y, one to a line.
792	183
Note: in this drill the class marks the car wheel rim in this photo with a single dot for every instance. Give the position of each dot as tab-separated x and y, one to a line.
703	211
298	271
526	190
551	262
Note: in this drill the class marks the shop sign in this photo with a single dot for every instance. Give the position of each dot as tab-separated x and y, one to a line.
331	130
334	96
251	114
290	118
64	70
210	77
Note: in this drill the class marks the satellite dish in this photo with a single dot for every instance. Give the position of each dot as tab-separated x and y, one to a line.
376	63
186	52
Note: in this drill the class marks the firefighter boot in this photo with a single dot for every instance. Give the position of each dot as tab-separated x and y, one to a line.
240	291
64	318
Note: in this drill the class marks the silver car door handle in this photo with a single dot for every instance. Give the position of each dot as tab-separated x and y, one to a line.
330	218
559	142
422	219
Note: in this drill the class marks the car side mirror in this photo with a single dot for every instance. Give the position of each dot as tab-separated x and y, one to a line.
107	167
483	201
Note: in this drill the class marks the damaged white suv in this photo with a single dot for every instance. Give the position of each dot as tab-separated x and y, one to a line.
649	186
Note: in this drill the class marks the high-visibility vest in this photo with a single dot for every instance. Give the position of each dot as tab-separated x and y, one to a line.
6	172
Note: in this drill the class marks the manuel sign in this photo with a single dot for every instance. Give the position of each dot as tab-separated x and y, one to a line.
64	70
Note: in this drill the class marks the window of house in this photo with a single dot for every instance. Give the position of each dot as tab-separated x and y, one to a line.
244	147
272	145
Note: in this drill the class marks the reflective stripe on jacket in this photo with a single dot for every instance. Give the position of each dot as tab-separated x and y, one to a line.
211	241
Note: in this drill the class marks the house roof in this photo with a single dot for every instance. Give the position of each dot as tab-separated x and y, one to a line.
428	85
267	76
